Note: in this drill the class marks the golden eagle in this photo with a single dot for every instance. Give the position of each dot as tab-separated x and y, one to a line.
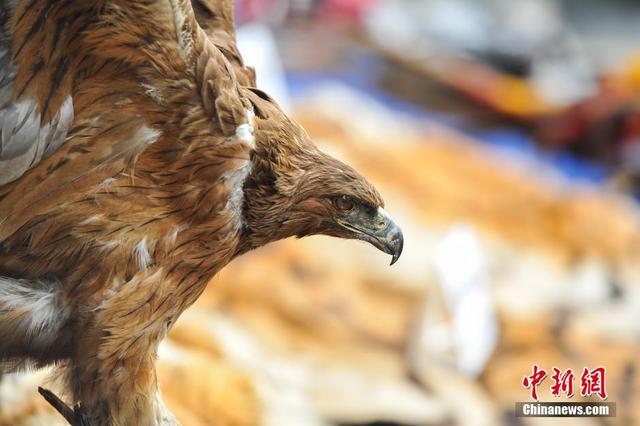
137	159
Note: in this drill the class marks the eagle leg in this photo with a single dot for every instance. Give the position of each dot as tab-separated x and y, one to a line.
113	370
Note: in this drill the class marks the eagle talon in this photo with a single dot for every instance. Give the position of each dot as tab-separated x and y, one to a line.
75	416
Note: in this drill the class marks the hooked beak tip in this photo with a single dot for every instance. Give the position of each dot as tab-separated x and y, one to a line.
397	244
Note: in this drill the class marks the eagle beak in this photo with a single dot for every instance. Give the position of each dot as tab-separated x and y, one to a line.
379	230
388	235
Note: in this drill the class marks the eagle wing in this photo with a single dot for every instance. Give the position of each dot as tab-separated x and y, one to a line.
87	85
24	139
217	19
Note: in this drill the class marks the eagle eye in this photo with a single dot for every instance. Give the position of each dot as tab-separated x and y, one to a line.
344	203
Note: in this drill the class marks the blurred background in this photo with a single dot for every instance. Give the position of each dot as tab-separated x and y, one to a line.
505	137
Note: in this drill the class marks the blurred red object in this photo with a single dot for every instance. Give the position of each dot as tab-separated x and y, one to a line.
604	126
272	11
350	9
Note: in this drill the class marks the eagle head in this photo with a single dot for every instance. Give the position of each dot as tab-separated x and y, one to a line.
294	189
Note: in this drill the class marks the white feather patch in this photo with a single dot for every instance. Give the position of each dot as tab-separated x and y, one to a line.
236	178
244	132
107	182
33	309
147	135
141	253
236	197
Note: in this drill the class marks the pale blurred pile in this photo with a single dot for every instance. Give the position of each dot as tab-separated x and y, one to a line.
321	331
